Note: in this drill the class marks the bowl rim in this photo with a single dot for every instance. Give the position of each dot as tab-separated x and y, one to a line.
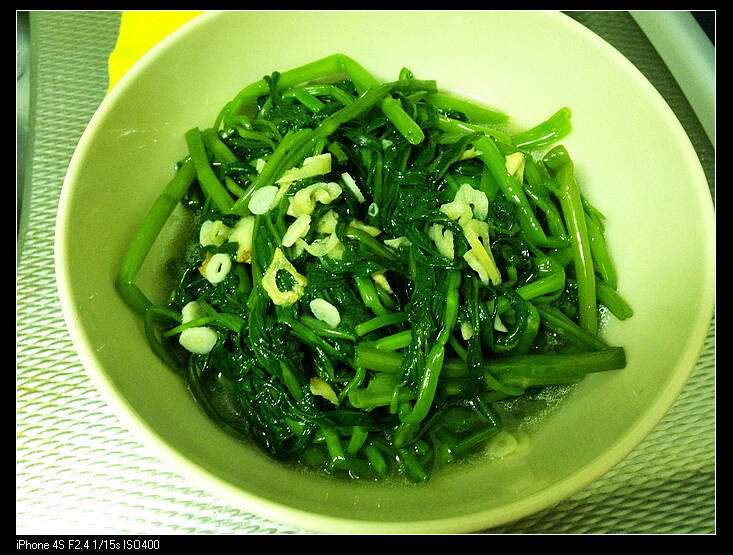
284	514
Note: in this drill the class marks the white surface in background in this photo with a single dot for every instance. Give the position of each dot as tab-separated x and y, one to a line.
689	55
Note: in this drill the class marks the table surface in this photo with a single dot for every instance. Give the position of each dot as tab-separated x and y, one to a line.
78	471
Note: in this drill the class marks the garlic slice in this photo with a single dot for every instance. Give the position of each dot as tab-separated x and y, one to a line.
325	312
479	257
263	199
456	210
213	233
217	268
477	200
296	230
443	239
191	311
311	166
353	187
199	340
515	163
323	389
304	201
269	281
241	233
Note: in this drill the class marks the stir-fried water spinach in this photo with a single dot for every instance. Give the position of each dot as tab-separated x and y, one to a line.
375	266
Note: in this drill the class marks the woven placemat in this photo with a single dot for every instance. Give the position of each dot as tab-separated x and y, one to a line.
78	471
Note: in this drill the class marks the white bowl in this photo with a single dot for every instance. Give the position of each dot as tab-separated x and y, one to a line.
634	162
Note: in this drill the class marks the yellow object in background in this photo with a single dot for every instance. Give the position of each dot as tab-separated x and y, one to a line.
139	32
